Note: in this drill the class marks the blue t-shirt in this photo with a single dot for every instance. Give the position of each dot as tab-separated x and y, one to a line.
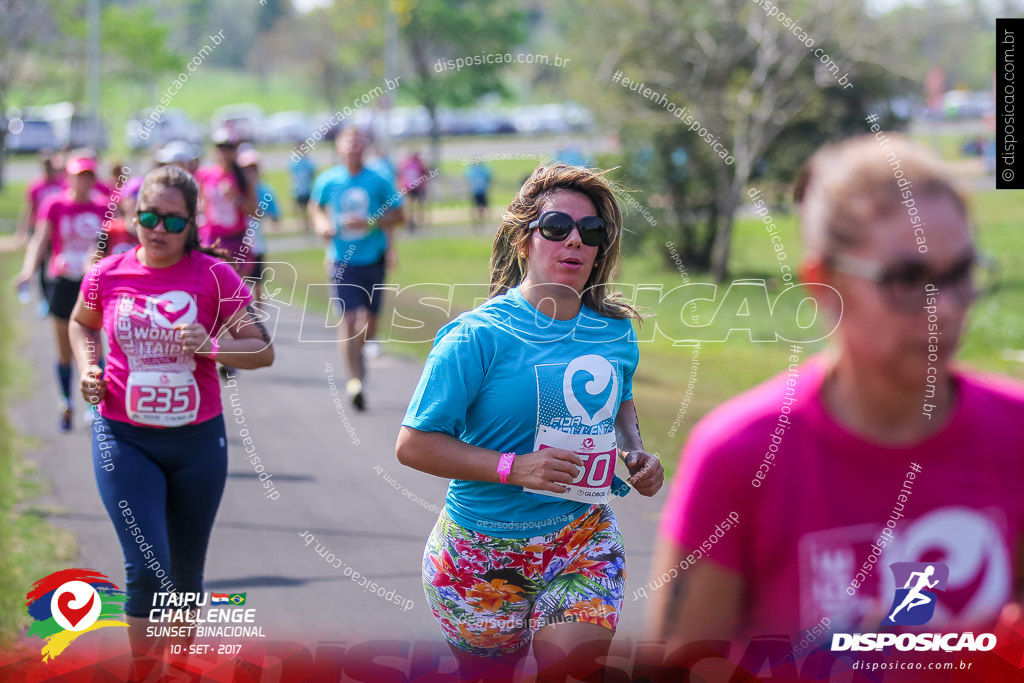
383	167
497	374
479	177
365	196
266	206
302	172
266	197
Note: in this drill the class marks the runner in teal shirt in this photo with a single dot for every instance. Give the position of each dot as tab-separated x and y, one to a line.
526	404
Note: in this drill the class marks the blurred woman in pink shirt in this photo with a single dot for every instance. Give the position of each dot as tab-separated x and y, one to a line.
878	451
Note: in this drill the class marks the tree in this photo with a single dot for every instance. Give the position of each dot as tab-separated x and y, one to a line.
20	21
136	41
270	13
741	74
341	46
436	32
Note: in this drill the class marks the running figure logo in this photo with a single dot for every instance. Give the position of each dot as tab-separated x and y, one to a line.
914	603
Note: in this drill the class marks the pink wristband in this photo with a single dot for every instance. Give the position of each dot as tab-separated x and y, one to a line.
214	348
505	466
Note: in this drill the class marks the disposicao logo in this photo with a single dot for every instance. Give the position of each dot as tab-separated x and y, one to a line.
71	602
913	604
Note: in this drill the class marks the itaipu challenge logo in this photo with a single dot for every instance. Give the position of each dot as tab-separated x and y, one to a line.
69	603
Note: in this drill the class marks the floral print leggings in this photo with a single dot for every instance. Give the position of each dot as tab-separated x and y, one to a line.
491	594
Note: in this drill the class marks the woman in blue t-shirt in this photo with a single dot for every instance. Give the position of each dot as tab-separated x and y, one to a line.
524	403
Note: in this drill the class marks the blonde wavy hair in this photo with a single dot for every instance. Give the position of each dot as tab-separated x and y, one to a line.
508	269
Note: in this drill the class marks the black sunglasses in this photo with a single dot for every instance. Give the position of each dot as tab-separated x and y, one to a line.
172	224
904	283
557	226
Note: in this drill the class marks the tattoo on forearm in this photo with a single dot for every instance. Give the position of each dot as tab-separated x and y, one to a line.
255	319
636	427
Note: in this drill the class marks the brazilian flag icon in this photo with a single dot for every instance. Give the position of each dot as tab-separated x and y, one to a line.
237	598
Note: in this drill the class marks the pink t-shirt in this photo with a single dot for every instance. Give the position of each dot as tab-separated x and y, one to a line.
121	237
76	227
37	191
413	174
828	495
223	218
149	381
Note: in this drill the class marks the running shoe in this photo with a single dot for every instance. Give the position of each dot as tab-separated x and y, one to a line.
371	349
355	392
65	419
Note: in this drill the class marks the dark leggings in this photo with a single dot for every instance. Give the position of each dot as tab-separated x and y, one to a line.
161	488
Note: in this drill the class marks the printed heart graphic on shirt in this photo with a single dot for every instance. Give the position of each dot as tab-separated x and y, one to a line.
86	225
172	308
72	614
603	378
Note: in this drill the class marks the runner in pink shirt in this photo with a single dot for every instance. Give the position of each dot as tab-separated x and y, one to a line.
170	309
52	182
794	500
70	222
228	199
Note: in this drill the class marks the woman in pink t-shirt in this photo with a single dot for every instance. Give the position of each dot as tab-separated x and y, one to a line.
228	198
51	182
170	309
414	176
69	222
796	502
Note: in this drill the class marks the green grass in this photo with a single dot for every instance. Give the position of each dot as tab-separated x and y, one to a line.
506	178
725	368
12	199
31	547
948	146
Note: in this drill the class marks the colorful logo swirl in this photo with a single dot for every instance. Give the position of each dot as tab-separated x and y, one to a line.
71	602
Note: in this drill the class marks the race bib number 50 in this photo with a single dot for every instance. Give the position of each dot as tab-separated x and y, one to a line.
162	399
597	451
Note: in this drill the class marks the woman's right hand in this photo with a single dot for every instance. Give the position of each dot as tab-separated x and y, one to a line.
22	279
545	470
94	387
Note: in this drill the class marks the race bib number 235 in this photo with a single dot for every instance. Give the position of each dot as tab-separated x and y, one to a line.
162	399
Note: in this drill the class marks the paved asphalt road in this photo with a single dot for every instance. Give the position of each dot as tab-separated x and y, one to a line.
328	487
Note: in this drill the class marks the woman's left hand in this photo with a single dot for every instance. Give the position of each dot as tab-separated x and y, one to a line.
194	338
646	473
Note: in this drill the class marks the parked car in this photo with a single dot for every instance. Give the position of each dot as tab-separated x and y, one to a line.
544	118
409	122
487	122
147	131
26	136
286	126
961	104
246	120
75	128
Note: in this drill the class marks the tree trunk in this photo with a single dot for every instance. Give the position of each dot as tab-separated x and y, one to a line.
3	156
703	255
435	137
725	206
